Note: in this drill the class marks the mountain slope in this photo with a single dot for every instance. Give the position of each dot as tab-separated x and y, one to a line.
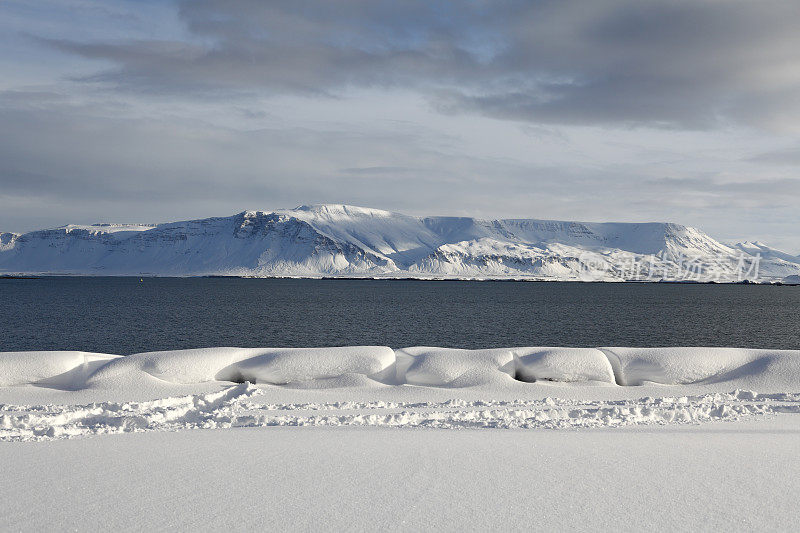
765	251
341	240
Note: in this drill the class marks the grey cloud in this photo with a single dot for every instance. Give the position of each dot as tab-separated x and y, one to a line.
713	193
77	164
788	157
21	182
62	162
776	185
684	64
31	98
140	168
369	171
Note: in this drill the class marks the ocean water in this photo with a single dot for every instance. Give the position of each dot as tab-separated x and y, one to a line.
126	315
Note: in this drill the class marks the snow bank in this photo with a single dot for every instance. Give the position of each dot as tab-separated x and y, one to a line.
439	367
563	364
356	366
463	368
257	365
175	366
55	368
290	365
673	366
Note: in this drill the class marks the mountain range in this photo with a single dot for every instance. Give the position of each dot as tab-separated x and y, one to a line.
348	241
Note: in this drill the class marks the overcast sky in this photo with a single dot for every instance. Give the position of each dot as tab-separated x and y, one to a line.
681	111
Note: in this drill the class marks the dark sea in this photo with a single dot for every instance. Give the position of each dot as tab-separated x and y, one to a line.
126	315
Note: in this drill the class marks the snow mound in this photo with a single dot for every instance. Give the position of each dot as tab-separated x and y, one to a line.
563	364
769	369
439	367
362	366
463	368
57	369
175	366
290	365
256	365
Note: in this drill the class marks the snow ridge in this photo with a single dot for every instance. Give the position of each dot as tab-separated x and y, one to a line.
418	366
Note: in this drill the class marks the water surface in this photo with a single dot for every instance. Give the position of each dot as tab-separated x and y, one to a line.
124	315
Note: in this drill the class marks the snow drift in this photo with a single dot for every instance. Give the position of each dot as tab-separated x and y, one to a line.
455	367
52	368
420	366
681	366
277	366
563	365
439	367
419	387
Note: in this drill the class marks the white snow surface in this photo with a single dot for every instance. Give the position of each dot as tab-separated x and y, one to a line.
772	369
256	365
23	368
442	367
342	240
563	365
64	394
418	438
447	367
741	476
765	251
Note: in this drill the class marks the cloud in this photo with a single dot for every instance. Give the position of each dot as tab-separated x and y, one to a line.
630	111
786	156
62	164
677	64
371	171
85	167
715	193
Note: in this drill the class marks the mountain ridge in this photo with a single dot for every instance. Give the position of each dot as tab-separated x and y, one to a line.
350	241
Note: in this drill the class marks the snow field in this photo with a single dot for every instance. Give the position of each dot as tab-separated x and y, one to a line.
730	477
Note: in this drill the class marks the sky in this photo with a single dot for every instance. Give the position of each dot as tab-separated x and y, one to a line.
601	110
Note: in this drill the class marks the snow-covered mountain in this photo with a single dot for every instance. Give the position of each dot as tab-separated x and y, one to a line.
765	251
341	240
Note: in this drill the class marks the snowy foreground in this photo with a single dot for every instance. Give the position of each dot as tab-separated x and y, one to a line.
565	438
